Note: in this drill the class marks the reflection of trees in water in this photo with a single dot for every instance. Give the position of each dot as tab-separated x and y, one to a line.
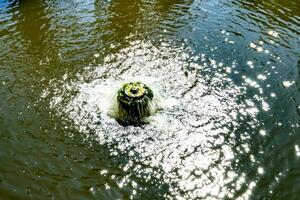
34	25
114	21
141	17
162	7
290	8
32	22
37	38
173	14
124	18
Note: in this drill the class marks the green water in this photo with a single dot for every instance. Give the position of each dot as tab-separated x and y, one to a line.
231	67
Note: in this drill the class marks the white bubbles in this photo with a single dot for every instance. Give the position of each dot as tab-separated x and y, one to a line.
228	70
112	46
297	150
213	62
265	106
256	47
259	49
260	170
261	77
249	63
92	190
273	33
186	139
227	40
251	83
263	132
104	172
288	83
252	45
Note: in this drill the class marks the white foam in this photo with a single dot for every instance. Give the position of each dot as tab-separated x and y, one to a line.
197	113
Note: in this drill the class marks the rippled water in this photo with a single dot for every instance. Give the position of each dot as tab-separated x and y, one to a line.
227	75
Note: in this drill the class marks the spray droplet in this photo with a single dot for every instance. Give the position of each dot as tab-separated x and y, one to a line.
263	132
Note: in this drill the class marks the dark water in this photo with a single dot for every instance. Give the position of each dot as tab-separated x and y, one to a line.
227	72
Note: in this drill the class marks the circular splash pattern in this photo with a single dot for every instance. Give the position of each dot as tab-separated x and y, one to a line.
191	145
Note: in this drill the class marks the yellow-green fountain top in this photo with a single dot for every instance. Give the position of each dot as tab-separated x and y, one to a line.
134	89
134	102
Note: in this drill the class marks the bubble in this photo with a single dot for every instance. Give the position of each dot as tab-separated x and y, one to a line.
249	63
252	45
259	49
260	170
288	83
92	190
228	69
261	77
265	106
273	33
297	150
263	132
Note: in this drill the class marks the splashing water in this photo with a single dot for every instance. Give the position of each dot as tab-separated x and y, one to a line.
191	143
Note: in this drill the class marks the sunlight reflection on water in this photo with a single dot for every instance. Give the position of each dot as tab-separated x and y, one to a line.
191	145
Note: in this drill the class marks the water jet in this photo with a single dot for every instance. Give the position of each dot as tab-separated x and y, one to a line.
134	103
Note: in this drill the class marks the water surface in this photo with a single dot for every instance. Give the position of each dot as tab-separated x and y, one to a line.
227	73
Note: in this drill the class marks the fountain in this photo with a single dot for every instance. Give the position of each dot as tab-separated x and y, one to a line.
134	103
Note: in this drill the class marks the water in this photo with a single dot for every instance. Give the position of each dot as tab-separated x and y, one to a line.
228	77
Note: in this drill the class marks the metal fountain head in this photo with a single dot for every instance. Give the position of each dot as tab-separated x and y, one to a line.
134	103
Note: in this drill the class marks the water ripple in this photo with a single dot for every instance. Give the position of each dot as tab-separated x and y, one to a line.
192	144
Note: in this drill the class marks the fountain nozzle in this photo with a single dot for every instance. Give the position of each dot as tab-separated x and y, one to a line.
134	103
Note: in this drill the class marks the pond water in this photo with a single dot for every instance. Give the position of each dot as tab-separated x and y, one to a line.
226	72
